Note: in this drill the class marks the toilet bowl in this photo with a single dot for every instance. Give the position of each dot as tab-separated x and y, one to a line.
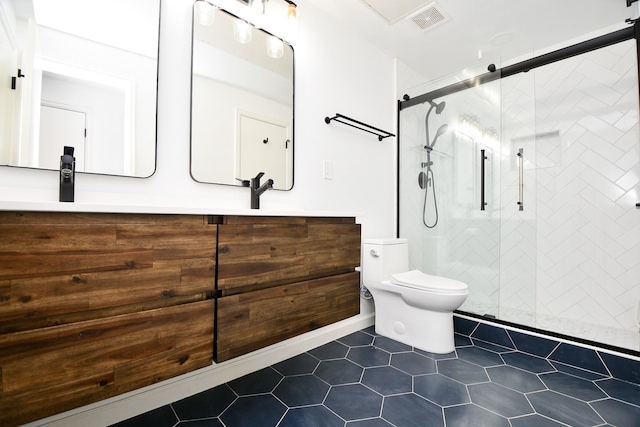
410	306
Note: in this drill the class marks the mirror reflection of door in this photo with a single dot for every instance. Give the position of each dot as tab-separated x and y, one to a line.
61	127
255	155
8	69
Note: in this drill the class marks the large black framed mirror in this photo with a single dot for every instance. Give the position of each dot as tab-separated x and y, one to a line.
242	101
79	73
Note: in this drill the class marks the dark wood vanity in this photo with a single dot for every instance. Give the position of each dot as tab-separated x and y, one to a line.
93	305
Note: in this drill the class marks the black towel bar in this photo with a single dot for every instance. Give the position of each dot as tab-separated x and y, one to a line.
359	125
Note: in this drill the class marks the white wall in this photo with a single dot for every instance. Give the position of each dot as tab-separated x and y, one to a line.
335	72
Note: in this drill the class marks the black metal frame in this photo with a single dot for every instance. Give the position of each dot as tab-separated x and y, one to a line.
340	118
524	66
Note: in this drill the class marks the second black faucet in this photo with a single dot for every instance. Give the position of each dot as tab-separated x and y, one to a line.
257	189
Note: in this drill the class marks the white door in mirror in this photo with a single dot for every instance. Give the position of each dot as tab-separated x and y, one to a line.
263	147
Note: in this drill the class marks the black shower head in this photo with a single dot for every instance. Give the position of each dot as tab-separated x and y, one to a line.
439	107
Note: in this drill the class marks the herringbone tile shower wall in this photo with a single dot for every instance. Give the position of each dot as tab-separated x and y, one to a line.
588	181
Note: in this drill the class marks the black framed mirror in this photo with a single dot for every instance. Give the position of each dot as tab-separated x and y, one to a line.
84	74
242	101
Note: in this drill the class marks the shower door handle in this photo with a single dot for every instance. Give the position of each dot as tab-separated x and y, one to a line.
482	181
520	179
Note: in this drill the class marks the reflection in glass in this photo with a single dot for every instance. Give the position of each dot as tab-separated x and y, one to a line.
241	105
85	84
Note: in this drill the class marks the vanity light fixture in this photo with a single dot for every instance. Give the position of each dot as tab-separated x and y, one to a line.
275	47
205	13
242	31
291	10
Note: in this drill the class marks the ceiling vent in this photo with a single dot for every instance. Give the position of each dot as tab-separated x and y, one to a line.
429	17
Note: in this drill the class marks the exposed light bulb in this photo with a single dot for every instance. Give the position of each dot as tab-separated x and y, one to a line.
242	31
205	13
291	11
275	47
259	6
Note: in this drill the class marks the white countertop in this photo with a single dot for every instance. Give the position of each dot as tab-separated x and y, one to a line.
161	209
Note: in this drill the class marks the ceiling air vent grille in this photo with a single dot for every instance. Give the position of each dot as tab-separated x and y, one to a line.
429	17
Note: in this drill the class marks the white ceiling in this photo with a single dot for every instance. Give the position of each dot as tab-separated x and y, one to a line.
501	30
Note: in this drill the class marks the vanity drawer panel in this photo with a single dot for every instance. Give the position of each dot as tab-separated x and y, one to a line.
48	301
50	370
279	250
252	320
56	268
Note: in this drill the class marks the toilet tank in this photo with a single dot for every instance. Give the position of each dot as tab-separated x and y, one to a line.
383	257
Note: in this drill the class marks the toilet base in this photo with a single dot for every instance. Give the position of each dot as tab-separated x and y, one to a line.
430	331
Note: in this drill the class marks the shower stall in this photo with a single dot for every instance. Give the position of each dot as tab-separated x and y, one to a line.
525	186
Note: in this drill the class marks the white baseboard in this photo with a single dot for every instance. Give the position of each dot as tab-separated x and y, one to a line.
125	406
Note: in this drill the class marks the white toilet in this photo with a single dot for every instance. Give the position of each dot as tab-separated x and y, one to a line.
411	307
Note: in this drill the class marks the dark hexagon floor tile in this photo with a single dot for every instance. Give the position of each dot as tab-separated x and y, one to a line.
493	334
332	350
371	330
369	356
390	345
440	389
409	410
492	347
572	386
371	422
534	420
208	404
621	390
413	363
436	356
578	356
500	400
577	372
565	409
464	326
262	381
160	417
341	371
461	340
534	364
537	346
354	402
301	390
462	371
471	415
479	356
618	413
387	380
357	339
301	364
243	412
622	368
211	422
311	416
515	379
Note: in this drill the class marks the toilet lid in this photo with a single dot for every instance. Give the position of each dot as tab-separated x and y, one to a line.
417	279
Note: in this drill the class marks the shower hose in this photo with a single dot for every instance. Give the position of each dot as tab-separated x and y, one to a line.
430	180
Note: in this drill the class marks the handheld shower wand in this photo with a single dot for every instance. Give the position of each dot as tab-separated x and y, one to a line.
426	179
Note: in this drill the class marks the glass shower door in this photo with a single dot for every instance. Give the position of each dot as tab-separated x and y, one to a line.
450	190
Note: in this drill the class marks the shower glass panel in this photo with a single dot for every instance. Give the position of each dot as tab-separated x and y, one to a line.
526	189
450	160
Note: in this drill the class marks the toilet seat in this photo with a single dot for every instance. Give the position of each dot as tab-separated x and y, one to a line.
416	279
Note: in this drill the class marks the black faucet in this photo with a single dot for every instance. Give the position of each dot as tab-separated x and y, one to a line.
67	175
257	190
